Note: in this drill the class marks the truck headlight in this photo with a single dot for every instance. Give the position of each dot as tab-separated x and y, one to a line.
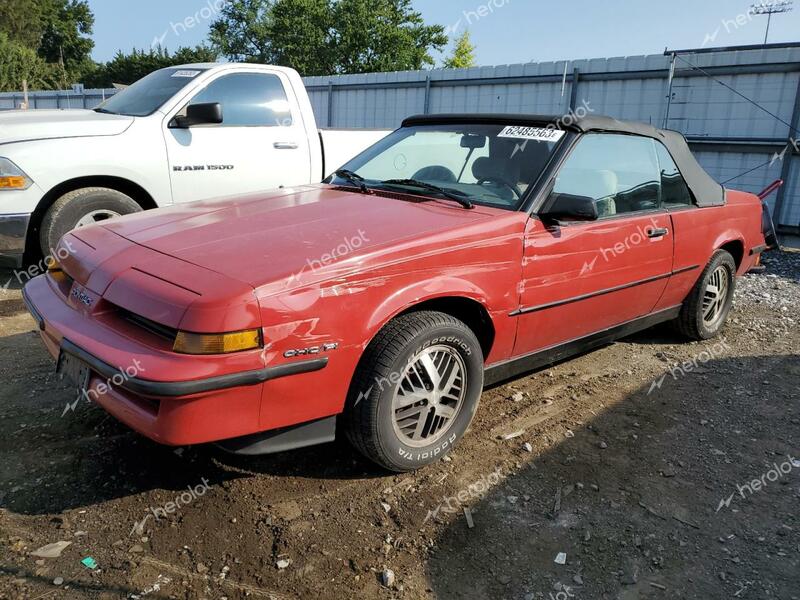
12	177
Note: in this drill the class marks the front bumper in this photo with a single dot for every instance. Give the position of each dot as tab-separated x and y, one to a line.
13	232
196	410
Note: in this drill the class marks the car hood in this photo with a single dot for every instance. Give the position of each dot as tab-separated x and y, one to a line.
28	125
296	234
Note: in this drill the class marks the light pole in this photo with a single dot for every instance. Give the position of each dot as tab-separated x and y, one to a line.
773	7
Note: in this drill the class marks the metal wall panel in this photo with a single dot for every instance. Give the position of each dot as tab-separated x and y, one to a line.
703	107
726	165
791	207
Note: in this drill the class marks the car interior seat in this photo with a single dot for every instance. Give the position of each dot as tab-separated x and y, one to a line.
500	173
435	173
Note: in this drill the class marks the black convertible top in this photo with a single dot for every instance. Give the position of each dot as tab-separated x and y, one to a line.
706	190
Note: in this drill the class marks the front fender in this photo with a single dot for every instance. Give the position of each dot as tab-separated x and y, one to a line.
416	293
136	156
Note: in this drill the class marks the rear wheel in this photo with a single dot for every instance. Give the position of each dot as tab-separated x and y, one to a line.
706	310
415	392
80	208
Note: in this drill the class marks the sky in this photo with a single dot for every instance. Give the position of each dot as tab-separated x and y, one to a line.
504	31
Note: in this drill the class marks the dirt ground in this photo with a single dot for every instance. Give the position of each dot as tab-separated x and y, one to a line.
659	468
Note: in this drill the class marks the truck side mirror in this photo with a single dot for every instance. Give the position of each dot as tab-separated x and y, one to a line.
199	114
569	207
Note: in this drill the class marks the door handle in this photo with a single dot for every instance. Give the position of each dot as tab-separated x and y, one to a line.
657	233
285	145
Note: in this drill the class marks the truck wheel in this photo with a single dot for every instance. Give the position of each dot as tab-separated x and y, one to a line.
82	207
706	310
415	391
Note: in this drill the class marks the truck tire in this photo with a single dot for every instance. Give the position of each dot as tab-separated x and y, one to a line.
79	208
415	391
706	310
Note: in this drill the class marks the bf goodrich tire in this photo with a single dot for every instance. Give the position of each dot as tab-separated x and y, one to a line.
415	391
79	208
706	310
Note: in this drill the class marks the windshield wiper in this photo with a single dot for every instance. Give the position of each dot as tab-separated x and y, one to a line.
354	178
105	111
459	197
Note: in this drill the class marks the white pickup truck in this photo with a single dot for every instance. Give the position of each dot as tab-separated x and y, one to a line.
180	134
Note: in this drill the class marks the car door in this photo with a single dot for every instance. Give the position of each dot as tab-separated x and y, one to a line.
692	228
583	277
261	143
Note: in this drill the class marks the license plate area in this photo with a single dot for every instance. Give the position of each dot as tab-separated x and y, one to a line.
75	371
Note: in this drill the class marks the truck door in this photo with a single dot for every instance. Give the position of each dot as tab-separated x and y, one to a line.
261	144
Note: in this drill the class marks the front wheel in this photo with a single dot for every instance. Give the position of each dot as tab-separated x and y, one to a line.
415	392
79	208
706	310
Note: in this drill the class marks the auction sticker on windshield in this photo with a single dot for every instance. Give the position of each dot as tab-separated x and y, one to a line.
184	73
538	134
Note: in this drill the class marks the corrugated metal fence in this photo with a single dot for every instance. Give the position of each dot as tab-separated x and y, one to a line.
79	98
730	134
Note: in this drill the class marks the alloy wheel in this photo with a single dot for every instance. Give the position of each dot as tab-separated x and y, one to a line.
716	296
429	396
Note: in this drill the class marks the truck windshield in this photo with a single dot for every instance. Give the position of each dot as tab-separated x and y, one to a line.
150	93
488	164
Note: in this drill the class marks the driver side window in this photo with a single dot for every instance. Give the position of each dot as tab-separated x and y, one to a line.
620	173
428	156
249	100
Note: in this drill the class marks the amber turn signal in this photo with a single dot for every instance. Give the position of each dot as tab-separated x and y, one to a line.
217	343
13	183
53	266
12	177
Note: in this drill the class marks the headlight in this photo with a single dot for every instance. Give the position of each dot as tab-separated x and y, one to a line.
217	343
12	177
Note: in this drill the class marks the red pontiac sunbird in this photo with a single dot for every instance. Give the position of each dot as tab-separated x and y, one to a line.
459	251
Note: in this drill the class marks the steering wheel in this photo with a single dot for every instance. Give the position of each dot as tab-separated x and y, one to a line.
505	183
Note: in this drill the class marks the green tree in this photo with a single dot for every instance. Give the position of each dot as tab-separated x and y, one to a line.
127	68
298	36
321	37
58	31
18	64
66	27
463	54
22	22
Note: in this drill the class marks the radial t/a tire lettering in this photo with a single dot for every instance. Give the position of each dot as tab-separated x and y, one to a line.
415	391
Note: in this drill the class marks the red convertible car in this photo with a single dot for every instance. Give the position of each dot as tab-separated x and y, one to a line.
460	251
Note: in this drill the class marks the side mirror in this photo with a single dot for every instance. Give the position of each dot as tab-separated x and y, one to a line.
199	114
567	207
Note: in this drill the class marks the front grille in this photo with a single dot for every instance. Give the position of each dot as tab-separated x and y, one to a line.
162	331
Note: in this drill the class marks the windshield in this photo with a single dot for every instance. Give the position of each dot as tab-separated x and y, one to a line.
150	93
488	164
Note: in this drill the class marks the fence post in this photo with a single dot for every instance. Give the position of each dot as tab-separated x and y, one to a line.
786	168
671	78
427	106
573	97
330	104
